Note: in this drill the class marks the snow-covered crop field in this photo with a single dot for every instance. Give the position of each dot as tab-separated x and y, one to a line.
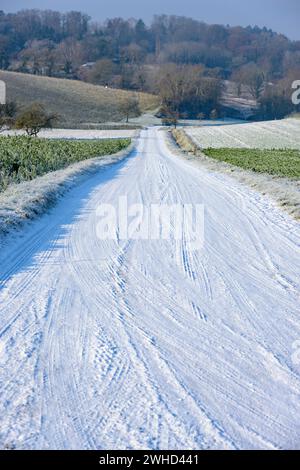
81	134
263	135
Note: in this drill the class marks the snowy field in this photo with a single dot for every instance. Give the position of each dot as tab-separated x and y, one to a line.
264	135
145	344
80	134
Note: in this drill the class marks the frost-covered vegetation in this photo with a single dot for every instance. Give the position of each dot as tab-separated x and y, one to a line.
262	135
262	169
24	158
284	162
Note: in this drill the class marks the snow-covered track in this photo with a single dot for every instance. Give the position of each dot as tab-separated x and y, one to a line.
144	344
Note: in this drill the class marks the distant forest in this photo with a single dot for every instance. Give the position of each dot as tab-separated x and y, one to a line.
132	55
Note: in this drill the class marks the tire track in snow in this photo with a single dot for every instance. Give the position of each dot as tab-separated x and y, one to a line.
145	344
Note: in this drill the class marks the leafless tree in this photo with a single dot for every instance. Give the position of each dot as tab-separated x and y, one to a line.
129	107
34	118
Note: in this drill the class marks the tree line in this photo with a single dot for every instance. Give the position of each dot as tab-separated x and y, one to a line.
132	55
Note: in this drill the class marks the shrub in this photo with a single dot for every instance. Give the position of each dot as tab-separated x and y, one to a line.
34	118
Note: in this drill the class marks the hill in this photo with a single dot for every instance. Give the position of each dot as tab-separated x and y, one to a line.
78	104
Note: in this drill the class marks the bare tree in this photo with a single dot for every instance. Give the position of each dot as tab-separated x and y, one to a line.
70	54
238	78
275	103
102	72
34	118
184	91
254	79
129	107
38	57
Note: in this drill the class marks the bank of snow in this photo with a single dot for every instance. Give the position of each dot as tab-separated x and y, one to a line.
22	202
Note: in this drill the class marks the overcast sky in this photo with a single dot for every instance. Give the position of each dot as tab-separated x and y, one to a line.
280	15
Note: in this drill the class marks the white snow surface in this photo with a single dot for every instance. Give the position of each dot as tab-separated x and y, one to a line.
144	344
79	133
264	135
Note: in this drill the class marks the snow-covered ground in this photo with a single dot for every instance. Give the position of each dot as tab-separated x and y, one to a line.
146	344
80	134
147	120
268	134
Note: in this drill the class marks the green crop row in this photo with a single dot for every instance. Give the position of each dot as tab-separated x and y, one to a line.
283	162
25	158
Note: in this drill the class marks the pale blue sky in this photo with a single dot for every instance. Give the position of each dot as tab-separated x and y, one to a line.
280	15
